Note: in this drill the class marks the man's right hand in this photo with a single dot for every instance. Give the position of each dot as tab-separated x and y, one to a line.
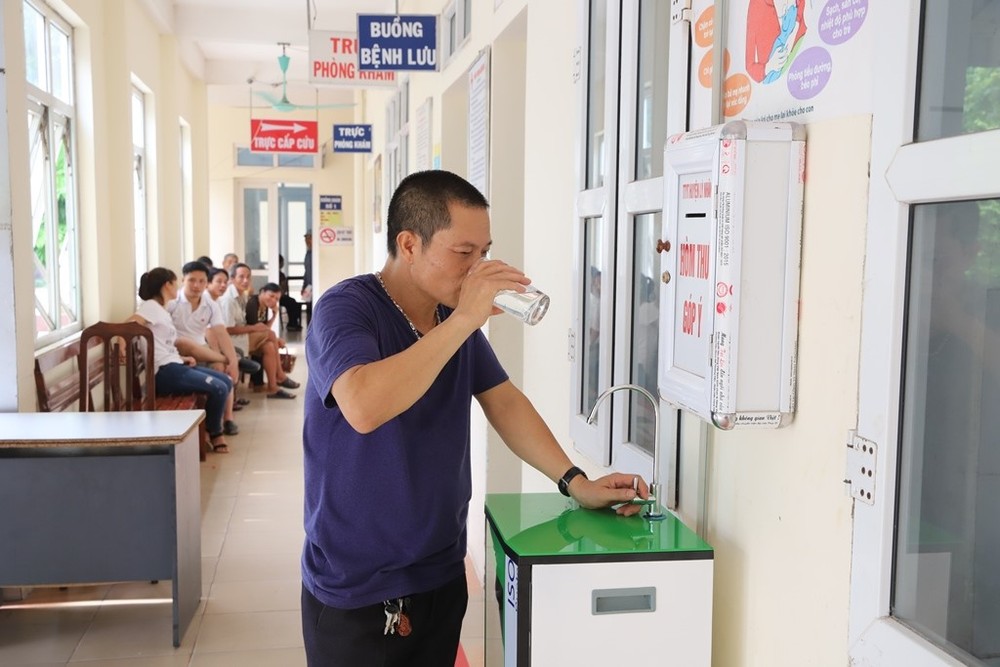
481	285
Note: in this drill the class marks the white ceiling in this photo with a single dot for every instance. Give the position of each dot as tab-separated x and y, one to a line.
231	42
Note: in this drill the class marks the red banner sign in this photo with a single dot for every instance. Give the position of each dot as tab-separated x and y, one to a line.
284	136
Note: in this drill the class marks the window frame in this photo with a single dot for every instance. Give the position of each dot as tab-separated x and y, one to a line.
874	636
593	440
460	13
140	183
621	198
54	112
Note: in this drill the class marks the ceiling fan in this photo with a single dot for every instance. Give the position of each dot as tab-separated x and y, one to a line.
283	104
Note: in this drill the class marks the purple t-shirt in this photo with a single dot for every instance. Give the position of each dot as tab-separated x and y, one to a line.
385	512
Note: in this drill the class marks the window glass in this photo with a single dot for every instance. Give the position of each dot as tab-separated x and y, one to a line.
138	120
34	47
139	194
69	297
959	69
255	220
947	582
595	93
591	312
40	183
60	64
645	329
247	158
651	105
295	160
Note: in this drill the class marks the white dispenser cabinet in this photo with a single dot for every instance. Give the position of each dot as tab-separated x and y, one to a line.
730	272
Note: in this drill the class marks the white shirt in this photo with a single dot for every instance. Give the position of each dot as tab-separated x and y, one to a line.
164	333
234	314
193	323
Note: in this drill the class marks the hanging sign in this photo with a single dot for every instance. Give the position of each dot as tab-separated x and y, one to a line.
283	136
352	138
388	42
333	59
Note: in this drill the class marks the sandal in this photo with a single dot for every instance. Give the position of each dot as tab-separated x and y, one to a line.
289	383
242	401
220	448
281	393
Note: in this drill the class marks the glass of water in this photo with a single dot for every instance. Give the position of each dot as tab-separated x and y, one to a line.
529	306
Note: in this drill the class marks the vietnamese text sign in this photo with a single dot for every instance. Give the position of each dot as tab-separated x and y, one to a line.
331	228
283	136
352	138
387	42
333	59
693	274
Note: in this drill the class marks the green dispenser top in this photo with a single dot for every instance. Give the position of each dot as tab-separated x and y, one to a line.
552	528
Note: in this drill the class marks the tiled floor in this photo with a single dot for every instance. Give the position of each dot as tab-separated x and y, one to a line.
251	540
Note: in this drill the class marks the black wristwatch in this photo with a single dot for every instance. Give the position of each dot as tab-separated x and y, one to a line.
567	478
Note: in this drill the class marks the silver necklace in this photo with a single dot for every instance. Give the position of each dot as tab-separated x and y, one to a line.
437	317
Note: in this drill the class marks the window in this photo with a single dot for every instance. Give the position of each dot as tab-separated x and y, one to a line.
617	330
187	191
139	169
925	587
456	26
248	158
397	120
51	123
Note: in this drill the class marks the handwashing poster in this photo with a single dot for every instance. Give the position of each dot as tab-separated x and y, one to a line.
787	59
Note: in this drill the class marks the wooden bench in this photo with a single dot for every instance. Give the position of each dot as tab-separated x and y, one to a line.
110	369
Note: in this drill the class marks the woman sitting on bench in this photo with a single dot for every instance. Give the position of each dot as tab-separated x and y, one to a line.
176	374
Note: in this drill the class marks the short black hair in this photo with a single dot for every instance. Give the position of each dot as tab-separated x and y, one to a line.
214	272
238	265
196	265
270	287
206	260
420	204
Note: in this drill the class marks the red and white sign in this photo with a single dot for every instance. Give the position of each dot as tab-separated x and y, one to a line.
284	136
333	59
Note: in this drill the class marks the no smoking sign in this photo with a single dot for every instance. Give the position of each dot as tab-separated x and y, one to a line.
327	236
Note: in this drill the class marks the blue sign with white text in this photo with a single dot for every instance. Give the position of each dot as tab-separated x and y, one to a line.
352	138
391	42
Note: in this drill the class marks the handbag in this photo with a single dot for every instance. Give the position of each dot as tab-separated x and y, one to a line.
287	360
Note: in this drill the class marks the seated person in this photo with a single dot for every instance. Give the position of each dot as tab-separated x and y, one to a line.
176	374
218	285
258	337
193	316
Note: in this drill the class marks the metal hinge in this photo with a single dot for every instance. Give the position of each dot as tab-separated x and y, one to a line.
680	10
571	351
862	457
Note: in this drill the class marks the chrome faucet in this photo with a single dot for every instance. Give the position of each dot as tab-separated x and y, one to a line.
654	510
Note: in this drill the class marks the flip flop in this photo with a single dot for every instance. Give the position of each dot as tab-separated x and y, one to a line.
242	401
281	393
289	383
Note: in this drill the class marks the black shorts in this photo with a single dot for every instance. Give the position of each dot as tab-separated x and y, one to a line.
355	637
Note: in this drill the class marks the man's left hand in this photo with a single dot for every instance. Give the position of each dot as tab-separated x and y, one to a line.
608	491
